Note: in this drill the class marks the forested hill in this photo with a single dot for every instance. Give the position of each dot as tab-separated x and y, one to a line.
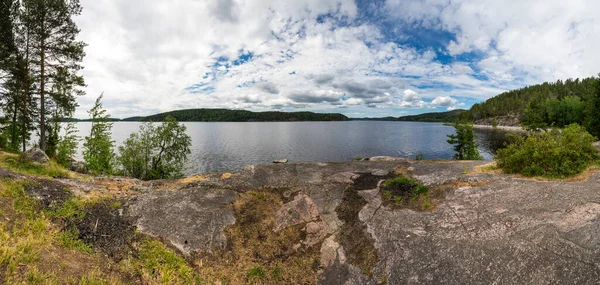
443	117
225	115
557	103
440	117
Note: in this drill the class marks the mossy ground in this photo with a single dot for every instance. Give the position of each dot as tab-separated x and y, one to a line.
405	192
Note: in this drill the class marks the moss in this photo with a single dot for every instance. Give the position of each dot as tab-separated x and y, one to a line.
405	192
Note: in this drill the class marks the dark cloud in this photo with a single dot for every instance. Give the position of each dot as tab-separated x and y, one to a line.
224	10
315	97
269	87
322	79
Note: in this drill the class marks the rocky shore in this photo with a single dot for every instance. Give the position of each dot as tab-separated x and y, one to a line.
326	223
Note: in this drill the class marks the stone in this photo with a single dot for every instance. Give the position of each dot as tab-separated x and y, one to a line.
78	166
191	219
302	209
35	155
280	161
597	146
332	252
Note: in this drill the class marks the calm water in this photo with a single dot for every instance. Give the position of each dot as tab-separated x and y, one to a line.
230	146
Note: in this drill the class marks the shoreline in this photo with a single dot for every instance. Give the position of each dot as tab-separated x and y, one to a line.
503	128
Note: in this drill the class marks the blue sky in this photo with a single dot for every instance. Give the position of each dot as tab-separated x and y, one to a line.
362	58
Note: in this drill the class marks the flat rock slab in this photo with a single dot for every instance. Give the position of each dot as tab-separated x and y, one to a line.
192	220
512	231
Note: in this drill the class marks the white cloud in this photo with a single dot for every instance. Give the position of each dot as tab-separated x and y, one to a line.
152	56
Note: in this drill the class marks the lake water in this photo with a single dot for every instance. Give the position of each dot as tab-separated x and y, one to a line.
229	146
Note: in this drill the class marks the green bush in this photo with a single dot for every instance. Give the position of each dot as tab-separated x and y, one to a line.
464	142
98	146
155	152
554	153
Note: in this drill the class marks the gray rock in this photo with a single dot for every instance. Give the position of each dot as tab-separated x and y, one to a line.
35	155
78	166
597	146
192	219
280	161
302	209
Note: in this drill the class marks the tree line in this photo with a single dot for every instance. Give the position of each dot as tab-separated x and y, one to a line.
225	115
545	105
40	62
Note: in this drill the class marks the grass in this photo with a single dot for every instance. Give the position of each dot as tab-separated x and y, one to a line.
405	192
158	265
69	238
255	273
50	169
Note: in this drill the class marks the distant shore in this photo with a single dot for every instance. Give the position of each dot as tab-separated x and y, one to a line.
504	128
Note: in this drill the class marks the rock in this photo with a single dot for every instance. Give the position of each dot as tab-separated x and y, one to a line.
78	166
302	209
332	252
380	172
597	146
280	161
35	155
386	158
191	219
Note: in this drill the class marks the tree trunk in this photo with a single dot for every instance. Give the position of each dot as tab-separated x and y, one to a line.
42	100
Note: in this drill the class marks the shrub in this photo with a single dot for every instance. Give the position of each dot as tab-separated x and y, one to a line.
155	152
98	147
67	146
464	143
555	153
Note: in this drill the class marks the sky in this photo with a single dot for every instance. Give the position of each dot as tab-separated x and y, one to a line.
361	58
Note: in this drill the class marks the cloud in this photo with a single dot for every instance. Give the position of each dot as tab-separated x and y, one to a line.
269	87
320	96
328	54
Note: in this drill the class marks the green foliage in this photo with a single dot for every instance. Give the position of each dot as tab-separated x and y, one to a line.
98	147
224	115
72	209
554	154
255	273
67	146
50	169
405	192
494	123
419	157
69	238
464	142
554	112
163	265
442	117
156	152
550	104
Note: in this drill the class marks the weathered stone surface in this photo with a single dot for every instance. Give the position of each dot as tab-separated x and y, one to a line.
597	146
504	231
302	209
511	231
192	219
35	155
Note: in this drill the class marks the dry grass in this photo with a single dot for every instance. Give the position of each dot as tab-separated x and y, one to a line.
257	254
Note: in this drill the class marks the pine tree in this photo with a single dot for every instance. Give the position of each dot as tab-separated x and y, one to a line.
464	143
56	56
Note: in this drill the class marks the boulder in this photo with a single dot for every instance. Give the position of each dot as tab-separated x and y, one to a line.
280	161
78	166
597	146
35	155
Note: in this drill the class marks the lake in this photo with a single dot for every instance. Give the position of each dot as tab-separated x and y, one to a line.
227	146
